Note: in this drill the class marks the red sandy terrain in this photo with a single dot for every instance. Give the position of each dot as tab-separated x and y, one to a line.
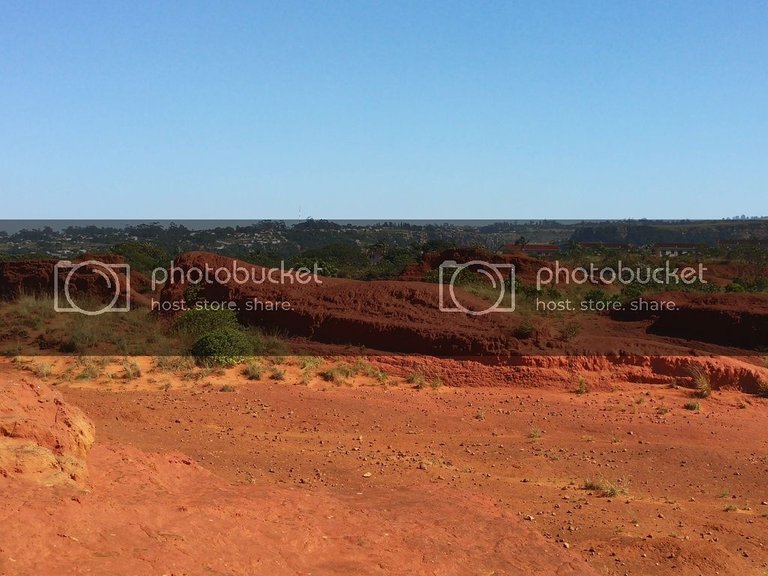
309	477
400	316
414	464
162	513
404	316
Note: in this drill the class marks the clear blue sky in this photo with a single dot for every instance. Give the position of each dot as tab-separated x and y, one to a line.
383	109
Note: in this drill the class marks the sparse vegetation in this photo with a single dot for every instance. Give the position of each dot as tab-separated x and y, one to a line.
604	488
416	379
762	387
227	388
277	374
173	363
582	387
535	434
309	362
32	311
362	366
90	368
39	369
703	387
569	330
338	373
692	406
253	371
131	370
202	373
342	372
525	330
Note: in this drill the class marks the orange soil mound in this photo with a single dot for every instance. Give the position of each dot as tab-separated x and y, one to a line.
41	437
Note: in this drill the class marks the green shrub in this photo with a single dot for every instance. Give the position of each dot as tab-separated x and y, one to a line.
569	330
692	406
337	373
525	330
596	295
222	347
310	362
198	322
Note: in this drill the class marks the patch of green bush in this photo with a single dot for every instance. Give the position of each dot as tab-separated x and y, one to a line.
222	347
525	330
198	322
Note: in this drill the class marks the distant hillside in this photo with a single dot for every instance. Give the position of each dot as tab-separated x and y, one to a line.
641	233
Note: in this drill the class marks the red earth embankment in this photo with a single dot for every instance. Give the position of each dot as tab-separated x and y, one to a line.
738	320
381	315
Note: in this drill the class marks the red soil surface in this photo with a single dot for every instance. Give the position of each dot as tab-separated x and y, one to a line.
159	512
287	478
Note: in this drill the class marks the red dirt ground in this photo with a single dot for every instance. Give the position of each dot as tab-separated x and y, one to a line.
501	470
285	478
